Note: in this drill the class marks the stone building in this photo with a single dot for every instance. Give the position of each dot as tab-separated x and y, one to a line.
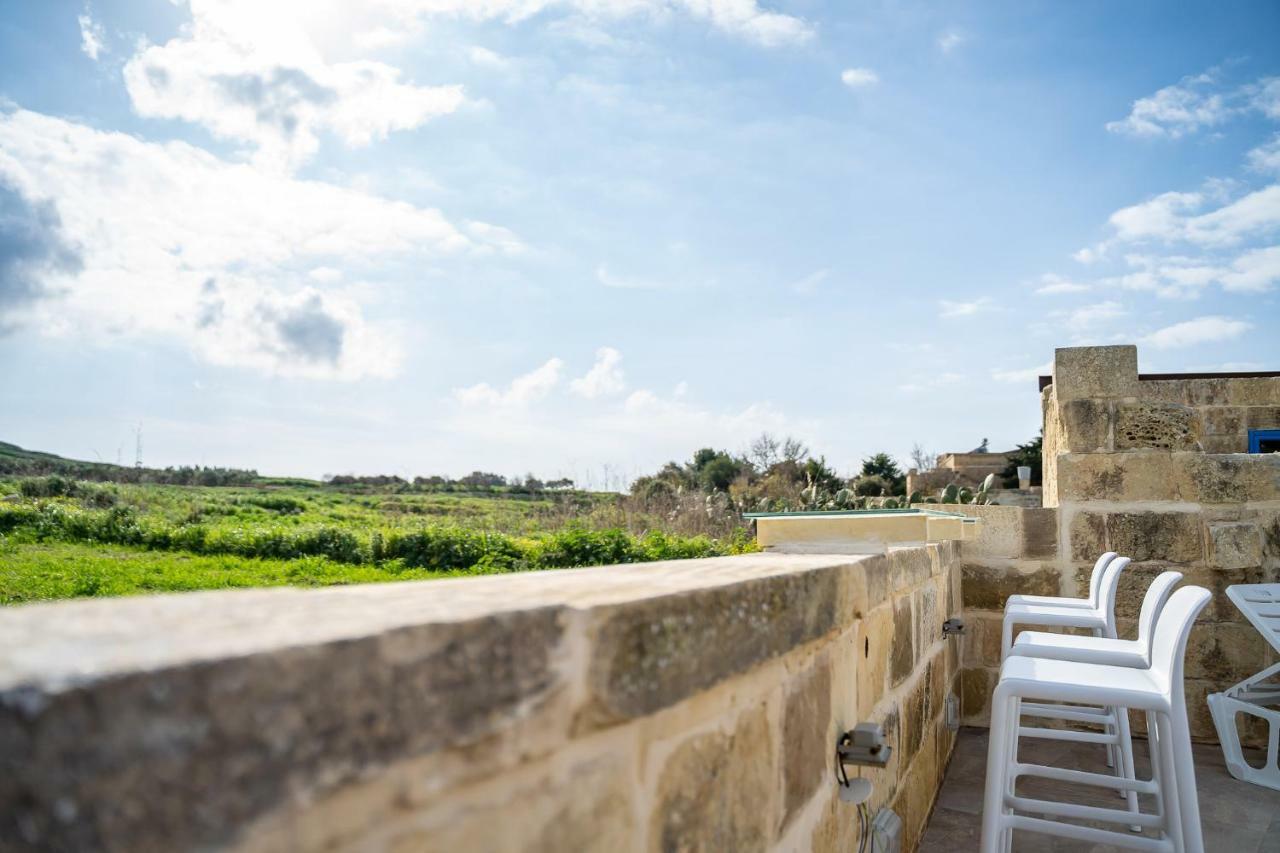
963	469
1154	467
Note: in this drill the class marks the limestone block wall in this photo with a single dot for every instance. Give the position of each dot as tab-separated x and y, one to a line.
689	705
1154	470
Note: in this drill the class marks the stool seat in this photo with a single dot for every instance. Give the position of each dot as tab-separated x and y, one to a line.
1071	681
1047	601
1103	650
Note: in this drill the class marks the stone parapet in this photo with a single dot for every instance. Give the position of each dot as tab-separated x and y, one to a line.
682	704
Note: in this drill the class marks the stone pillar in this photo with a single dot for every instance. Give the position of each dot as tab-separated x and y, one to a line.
1082	373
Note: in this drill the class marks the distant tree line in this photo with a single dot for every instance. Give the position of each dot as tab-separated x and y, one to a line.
772	473
476	481
44	465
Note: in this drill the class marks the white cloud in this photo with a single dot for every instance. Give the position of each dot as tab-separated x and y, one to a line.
1201	330
605	377
949	41
1176	110
1253	271
856	78
1024	374
92	37
483	56
1195	102
1054	285
1266	157
963	309
619	282
1088	317
248	72
149	252
522	390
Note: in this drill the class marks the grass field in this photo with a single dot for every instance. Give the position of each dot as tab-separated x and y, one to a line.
64	538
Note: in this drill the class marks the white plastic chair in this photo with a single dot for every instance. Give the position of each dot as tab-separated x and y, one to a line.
1157	690
1135	654
1258	696
1098	617
1095	584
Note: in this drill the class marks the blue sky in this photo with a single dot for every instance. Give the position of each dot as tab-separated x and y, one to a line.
582	237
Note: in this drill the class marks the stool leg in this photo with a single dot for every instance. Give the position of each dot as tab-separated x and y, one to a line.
993	822
1163	770
1185	778
1014	740
1126	758
1006	637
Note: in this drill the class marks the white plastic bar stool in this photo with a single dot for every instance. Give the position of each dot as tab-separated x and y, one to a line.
1135	654
1095	585
1099	616
1157	690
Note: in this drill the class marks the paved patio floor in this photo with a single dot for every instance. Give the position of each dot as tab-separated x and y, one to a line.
1237	817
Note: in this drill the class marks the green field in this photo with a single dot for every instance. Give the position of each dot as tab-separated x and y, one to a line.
64	538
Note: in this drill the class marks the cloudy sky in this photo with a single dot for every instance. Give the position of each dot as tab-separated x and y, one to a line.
581	237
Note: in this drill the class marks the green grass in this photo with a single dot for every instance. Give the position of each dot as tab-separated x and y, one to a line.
62	538
43	571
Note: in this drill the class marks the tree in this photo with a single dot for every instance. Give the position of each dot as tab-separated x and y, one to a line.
923	460
884	466
719	472
816	473
1029	454
767	451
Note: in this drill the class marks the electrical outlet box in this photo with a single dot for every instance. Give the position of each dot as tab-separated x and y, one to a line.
886	832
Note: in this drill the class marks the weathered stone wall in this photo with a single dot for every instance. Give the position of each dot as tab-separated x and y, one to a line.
1156	471
690	705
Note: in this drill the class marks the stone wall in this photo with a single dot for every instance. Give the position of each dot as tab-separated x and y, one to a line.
689	705
1154	470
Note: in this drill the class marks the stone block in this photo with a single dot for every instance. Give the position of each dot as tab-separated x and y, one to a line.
1222	420
982	639
1142	536
1159	426
908	568
651	653
1207	392
1086	426
715	791
181	757
875	647
1263	417
986	588
1237	443
902	657
1227	478
1143	475
1088	535
928	616
914	712
1224	652
806	749
1256	391
1162	390
1095	372
586	806
976	687
1235	545
1040	533
1000	534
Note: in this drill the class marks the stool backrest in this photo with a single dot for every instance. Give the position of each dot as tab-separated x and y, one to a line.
1107	592
1095	579
1152	603
1168	649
